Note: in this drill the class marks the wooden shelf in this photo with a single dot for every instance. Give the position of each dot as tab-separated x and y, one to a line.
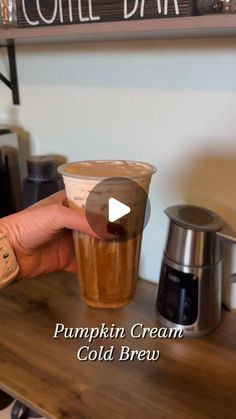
184	27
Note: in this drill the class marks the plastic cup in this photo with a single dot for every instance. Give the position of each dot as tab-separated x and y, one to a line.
107	269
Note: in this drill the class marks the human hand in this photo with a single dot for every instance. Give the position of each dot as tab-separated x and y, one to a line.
41	236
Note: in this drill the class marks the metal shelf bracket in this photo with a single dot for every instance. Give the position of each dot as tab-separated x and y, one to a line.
13	82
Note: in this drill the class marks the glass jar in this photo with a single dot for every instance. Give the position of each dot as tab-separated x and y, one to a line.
8	15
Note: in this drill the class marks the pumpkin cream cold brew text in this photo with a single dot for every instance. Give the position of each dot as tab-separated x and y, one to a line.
119	352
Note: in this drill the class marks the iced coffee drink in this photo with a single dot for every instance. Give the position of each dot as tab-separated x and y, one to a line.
108	268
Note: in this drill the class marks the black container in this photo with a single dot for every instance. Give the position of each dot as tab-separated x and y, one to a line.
42	180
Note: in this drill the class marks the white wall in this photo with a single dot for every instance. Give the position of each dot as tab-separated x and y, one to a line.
171	103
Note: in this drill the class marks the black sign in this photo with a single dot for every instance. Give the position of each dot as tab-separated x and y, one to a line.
62	12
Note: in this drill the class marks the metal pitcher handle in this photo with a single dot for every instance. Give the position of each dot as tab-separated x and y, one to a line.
227	234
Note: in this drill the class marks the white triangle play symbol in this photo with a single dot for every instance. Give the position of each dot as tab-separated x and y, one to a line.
117	210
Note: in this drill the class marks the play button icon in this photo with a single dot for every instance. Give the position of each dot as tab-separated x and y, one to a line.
118	206
117	210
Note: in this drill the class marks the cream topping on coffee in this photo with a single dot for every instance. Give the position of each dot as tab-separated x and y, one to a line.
103	169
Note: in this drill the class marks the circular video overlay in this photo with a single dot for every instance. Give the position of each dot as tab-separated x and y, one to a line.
118	206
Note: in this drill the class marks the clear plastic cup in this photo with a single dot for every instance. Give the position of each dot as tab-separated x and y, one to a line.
107	269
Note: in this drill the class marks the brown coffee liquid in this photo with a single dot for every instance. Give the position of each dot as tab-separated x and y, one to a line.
107	270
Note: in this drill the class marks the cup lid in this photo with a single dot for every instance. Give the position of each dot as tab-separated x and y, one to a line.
102	169
194	217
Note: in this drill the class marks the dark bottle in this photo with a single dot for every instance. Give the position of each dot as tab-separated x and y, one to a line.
42	180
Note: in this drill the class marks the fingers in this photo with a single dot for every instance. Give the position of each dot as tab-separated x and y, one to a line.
63	217
75	220
52	214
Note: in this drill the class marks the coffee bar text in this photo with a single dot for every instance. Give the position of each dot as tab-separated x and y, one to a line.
56	12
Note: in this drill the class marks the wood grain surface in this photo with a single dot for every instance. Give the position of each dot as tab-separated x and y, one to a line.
194	378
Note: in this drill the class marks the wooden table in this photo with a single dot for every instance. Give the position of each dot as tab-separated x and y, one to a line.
193	378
